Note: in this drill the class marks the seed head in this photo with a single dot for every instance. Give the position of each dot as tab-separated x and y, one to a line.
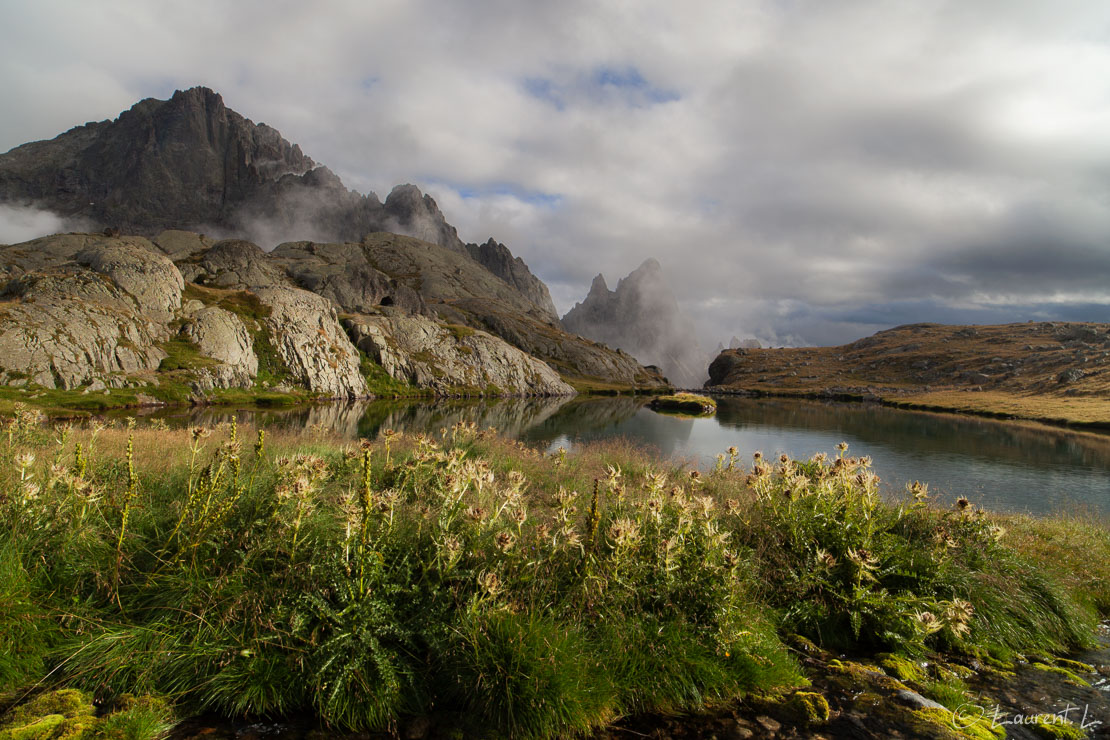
30	490
490	583
928	622
624	531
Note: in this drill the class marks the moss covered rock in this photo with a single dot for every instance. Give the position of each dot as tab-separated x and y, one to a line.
67	714
901	668
685	403
1064	673
1053	727
807	708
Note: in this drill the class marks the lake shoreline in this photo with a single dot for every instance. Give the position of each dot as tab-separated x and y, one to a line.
907	404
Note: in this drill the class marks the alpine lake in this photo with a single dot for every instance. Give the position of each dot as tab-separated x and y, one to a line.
998	465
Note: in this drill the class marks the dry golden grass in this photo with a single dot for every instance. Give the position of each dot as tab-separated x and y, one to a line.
157	451
1085	410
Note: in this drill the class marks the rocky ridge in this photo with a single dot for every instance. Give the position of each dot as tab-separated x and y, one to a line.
497	258
194	164
96	312
1038	370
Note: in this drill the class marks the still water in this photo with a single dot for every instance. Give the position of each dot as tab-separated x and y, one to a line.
998	465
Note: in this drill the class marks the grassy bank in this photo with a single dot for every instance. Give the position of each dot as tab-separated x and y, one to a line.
472	580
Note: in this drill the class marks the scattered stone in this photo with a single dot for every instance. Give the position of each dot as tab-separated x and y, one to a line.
1070	375
768	724
916	700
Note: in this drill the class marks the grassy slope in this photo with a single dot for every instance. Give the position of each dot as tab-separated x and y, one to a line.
1010	370
532	595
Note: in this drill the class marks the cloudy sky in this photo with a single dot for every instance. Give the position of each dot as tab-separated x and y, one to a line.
807	172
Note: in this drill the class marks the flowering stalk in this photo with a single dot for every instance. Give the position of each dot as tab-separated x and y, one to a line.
129	497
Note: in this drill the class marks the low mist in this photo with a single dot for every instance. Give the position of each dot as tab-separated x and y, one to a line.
23	223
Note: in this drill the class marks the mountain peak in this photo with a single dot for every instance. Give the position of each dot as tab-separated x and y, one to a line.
192	163
641	317
598	286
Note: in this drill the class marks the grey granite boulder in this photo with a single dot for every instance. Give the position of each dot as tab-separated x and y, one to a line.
221	335
306	333
233	263
452	359
64	329
149	278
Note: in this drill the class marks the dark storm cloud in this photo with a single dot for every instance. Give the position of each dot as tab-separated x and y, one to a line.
806	172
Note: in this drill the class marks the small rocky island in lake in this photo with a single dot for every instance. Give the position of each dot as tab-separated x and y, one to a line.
685	403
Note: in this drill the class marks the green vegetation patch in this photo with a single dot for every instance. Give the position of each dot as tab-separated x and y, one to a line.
66	714
182	354
512	593
807	708
243	303
1054	727
685	403
1064	673
272	368
458	331
382	384
901	668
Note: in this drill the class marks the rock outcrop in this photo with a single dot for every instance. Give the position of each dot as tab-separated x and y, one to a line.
90	310
81	307
415	214
497	258
307	335
344	274
451	358
68	327
233	263
93	311
223	337
459	291
642	318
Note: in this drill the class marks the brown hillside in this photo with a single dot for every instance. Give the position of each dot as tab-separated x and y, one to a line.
1054	371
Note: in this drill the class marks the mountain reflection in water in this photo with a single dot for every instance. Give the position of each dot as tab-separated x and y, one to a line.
998	465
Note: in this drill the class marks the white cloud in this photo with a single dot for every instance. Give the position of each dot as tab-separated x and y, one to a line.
833	158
